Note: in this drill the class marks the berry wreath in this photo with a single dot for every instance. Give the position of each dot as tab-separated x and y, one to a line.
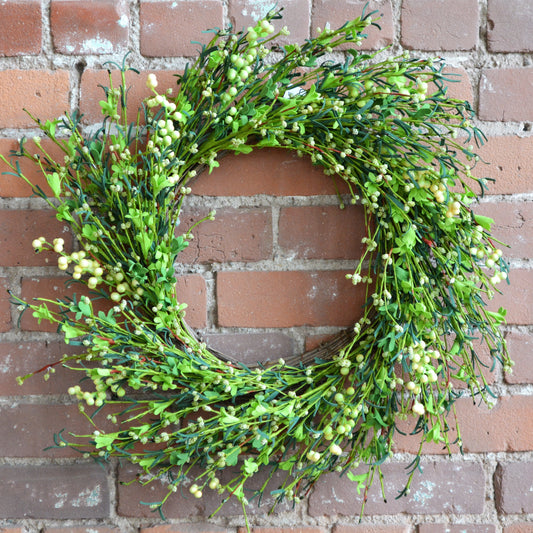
184	412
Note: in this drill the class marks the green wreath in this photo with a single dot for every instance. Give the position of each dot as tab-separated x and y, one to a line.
182	411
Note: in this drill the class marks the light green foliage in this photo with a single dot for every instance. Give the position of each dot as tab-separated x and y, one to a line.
385	127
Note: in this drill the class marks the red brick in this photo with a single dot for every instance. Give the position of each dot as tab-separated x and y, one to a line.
270	171
516	297
91	93
443	487
13	186
333	14
243	234
11	530
519	527
44	93
509	26
456	528
370	529
440	24
22	358
301	529
89	529
180	23
506	94
520	347
249	348
191	290
243	13
322	232
458	84
513	484
5	308
285	299
20	27
95	27
513	225
54	492
21	227
510	161
51	288
32	427
185	528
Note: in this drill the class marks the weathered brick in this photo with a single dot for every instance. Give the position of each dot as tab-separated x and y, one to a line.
440	24
516	297
180	23
300	529
91	93
322	232
20	27
513	225
22	358
88	529
185	528
5	308
11	530
510	161
506	94
285	299
191	290
13	186
54	491
270	171
243	13
519	527
443	487
456	528
97	27
21	227
520	347
370	529
32	428
509	25
44	93
513	484
243	234
333	14
458	84
249	348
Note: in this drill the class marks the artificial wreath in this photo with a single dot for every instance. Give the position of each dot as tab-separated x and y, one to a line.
181	411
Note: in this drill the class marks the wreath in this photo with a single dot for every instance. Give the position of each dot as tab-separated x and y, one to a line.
185	413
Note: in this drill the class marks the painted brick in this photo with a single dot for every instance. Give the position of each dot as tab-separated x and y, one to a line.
185	528
456	528
513	484
180	23
32	427
96	27
13	186
243	234
509	25
285	299
54	491
20	227
510	161
91	93
20	27
322	232
370	529
513	225
249	348
191	290
272	171
520	347
22	358
440	24
516	297
5	307
506	94
243	13
43	93
443	487
334	14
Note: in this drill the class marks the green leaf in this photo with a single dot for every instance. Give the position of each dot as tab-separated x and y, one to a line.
54	181
484	222
232	456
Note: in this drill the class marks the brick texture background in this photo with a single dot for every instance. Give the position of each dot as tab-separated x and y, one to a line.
265	278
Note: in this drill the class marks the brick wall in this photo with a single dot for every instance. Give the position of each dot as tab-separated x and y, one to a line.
266	276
